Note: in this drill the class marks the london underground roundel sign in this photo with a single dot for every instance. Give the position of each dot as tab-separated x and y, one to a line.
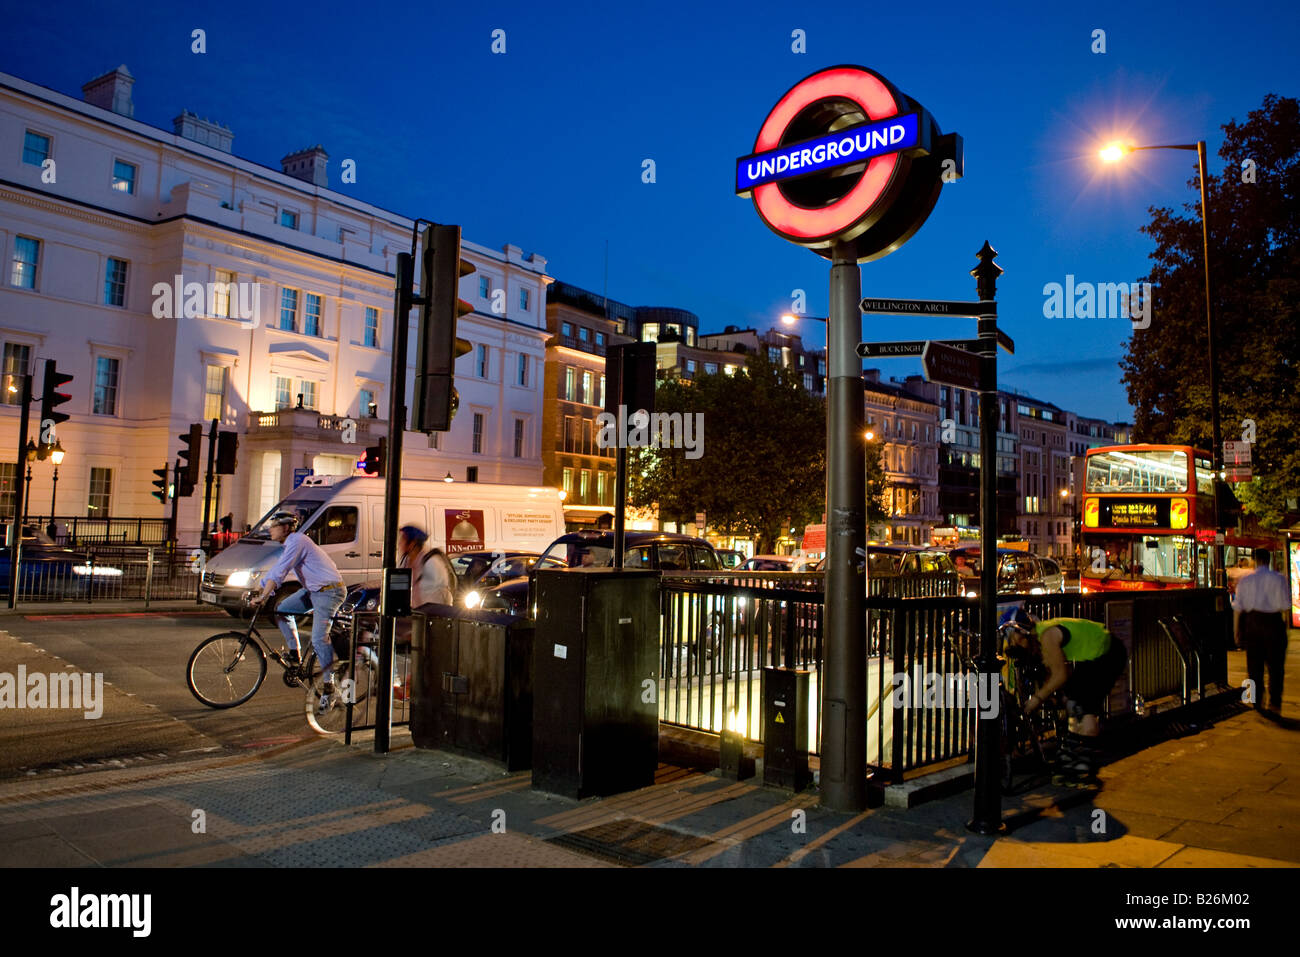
845	155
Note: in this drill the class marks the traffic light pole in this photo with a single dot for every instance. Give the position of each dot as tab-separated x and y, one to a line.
15	530
393	487
176	497
207	489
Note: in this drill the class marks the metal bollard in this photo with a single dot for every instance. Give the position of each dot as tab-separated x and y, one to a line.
148	576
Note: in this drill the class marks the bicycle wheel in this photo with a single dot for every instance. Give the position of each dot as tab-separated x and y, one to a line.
351	685
226	670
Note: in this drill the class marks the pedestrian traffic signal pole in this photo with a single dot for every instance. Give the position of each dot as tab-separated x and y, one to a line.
402	296
207	481
988	747
844	711
15	529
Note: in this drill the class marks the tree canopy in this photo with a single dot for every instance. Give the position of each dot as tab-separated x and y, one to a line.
1254	224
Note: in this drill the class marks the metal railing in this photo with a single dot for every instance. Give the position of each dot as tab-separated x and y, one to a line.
364	629
76	531
105	574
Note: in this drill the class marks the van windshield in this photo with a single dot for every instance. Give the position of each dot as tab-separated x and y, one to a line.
303	508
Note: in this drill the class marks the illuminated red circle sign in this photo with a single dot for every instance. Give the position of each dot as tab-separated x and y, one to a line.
844	155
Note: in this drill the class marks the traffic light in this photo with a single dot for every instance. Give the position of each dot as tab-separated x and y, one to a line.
376	455
436	400
227	447
50	398
189	456
160	483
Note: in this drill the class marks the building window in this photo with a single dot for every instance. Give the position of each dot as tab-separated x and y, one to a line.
523	298
482	363
484	287
601	403
587	396
478	433
774	355
370	337
115	283
600	339
690	367
36	148
519	438
311	324
124	177
289	310
570	375
650	332
583	333
221	293
288	219
283	392
101	490
808	382
584	480
471	473
307	389
214	394
17	359
710	368
27	255
568	482
105	386
523	369
8	489
600	488
566	330
366	398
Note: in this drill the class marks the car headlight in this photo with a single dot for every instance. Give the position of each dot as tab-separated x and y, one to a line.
98	571
971	594
239	579
1038	591
473	600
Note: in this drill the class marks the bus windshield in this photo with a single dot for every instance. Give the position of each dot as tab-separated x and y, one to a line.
1166	558
1138	471
302	508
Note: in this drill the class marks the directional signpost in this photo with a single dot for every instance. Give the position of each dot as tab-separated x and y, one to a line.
949	366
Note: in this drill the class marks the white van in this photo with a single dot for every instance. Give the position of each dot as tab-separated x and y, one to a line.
344	515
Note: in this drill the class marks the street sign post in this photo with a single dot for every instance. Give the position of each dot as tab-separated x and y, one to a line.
944	308
949	366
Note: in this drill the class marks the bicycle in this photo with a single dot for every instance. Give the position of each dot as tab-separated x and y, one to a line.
1021	734
227	669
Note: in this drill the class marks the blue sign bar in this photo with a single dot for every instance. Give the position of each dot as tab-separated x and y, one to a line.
854	144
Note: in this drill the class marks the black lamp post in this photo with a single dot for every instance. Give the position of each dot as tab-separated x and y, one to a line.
27	497
56	454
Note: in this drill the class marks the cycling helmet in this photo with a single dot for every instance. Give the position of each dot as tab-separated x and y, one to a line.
1016	617
284	518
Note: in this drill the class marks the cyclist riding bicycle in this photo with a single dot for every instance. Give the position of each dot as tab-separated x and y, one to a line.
322	589
1083	661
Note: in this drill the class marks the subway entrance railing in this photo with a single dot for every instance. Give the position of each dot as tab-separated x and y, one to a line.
720	630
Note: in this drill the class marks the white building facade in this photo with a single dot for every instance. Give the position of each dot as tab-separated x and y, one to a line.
280	325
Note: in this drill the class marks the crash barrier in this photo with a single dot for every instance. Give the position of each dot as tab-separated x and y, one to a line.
78	531
471	683
104	574
717	637
363	631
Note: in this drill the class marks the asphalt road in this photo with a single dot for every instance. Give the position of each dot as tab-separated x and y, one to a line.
148	711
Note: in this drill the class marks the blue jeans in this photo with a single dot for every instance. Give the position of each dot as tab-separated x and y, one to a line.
324	604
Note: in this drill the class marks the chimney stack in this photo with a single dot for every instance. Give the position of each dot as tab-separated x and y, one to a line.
308	165
112	91
189	126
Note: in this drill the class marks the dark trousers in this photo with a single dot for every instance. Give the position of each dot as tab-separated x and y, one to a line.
1264	637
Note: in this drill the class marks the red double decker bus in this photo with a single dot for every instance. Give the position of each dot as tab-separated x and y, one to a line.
1148	518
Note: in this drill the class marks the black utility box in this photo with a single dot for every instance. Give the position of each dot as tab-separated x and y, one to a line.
471	685
596	681
785	729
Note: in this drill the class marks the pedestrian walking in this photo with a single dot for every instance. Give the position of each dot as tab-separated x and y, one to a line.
1259	612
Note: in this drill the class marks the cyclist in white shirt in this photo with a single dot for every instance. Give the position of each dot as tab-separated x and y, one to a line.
322	590
1259	612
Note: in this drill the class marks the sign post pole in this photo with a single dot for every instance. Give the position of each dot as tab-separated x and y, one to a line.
988	793
844	753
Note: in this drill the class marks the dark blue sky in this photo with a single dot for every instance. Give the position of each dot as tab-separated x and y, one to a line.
543	146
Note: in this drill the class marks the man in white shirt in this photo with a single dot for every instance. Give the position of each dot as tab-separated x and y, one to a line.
1259	624
322	589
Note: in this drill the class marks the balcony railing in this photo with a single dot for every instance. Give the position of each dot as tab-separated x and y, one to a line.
307	420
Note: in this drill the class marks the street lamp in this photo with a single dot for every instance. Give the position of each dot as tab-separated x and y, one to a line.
56	454
791	318
1113	153
31	451
449	478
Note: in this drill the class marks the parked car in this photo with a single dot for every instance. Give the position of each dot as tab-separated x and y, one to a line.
729	557
881	560
505	568
1019	573
668	551
920	561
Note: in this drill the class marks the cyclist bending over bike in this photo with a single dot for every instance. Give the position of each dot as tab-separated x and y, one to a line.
1083	661
322	589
